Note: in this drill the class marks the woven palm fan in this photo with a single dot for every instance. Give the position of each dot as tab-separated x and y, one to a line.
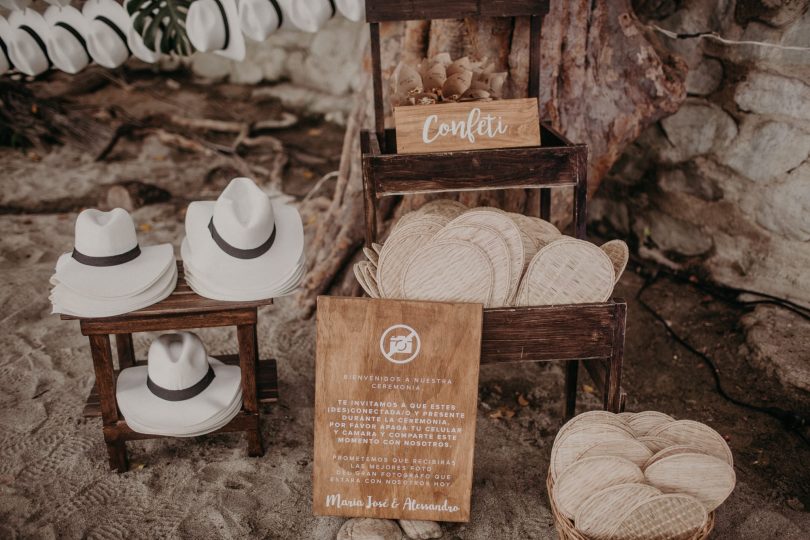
567	531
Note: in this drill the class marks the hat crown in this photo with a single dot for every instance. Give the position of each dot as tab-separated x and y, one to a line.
258	18
310	15
205	26
26	53
177	361
103	234
243	214
66	49
105	45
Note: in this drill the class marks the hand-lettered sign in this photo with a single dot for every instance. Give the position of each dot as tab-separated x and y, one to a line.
396	391
474	125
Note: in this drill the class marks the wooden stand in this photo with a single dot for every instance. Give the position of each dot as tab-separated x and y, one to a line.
590	332
183	309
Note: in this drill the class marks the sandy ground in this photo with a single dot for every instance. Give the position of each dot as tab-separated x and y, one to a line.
54	478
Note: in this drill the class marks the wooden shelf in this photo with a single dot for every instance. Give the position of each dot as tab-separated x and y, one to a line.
557	163
266	383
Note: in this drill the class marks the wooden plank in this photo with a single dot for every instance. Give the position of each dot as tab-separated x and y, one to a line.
369	195
132	323
396	382
404	10
243	421
182	300
376	71
507	123
510	168
266	384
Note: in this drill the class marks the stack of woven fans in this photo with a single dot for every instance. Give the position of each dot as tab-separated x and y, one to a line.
637	476
447	252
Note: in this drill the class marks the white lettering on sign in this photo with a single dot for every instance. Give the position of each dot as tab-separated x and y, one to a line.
475	125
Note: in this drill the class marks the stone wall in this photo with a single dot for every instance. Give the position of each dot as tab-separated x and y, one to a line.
316	72
722	187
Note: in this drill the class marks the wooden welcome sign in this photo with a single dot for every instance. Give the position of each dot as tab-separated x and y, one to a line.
396	391
472	125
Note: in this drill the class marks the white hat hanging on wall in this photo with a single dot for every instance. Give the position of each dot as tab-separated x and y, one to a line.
28	47
108	273
67	41
354	10
181	391
244	246
311	15
107	36
5	39
136	42
213	26
260	18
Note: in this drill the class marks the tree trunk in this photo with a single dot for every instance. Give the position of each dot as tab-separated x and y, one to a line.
603	80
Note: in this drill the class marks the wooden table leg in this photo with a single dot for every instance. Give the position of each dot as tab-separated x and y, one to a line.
571	374
248	355
613	388
125	349
105	382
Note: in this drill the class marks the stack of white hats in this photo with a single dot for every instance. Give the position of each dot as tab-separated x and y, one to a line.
181	392
244	246
108	273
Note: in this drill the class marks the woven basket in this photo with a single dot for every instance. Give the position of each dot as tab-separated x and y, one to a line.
567	531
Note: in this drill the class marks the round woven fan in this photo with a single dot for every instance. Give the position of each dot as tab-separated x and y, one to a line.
655	444
568	271
447	208
449	270
494	245
663	517
591	418
689	432
618	252
706	478
672	451
588	476
644	421
604	511
539	231
395	254
578	439
629	449
500	221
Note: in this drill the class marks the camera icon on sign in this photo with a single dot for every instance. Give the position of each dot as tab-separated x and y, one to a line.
400	344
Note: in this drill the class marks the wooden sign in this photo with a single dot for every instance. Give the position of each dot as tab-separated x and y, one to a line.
396	392
474	125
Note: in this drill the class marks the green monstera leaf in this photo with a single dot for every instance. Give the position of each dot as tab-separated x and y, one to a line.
164	20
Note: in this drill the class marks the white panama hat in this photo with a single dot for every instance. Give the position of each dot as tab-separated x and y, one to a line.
180	387
107	261
137	44
260	18
354	10
107	35
28	48
244	241
5	39
213	26
311	15
67	41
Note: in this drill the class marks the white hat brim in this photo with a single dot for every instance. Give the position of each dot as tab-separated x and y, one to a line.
208	426
121	281
67	302
5	35
236	41
73	17
264	271
137	402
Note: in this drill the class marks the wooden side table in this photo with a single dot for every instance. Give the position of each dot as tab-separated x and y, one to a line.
183	309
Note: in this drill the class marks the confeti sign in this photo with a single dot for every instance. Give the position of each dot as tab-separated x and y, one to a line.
395	406
473	125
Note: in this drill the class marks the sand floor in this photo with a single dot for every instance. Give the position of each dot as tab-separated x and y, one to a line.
54	477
